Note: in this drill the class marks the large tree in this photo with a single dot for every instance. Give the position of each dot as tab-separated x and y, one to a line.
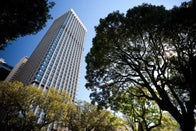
22	17
151	49
18	104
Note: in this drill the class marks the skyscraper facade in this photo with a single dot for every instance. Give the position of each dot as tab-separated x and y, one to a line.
56	60
4	69
12	75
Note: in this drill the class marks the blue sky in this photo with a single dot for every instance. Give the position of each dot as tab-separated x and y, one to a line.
89	12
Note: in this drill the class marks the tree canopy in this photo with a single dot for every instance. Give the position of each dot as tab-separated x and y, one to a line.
27	108
86	116
19	106
151	52
143	114
21	18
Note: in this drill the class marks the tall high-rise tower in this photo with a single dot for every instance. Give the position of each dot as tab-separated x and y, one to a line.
56	60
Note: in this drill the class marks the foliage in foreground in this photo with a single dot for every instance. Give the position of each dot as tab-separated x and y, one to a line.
18	103
22	18
21	107
151	53
85	116
143	114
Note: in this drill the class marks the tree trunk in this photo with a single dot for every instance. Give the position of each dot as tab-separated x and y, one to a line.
185	120
140	127
194	3
188	123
